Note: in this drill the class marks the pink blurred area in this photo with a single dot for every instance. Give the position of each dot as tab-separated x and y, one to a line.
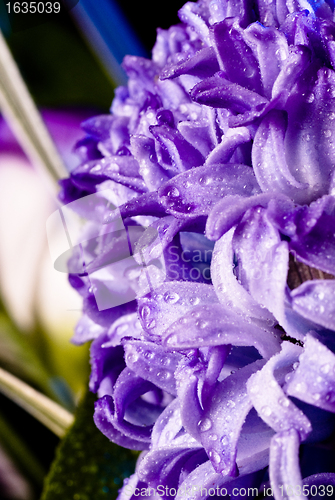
64	128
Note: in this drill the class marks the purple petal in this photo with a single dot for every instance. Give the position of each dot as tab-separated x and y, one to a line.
184	195
95	172
314	243
133	416
268	12
310	148
169	302
313	380
191	412
226	285
107	316
85	330
150	247
269	399
152	363
127	325
269	160
229	211
146	204
229	142
284	465
168	427
143	149
199	133
191	15
271	49
219	92
264	262
163	466
323	479
223	418
204	478
133	487
315	300
216	358
235	57
103	419
70	192
203	64
294	65
218	325
253	445
175	152
142	73
105	363
112	164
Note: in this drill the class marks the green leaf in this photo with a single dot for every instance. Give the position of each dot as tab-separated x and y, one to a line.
88	466
48	412
19	109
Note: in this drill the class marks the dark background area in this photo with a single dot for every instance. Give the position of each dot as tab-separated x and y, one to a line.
59	66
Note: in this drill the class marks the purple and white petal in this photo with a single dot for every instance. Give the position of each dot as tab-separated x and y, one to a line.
152	363
235	57
263	261
313	381
228	289
217	325
170	301
315	300
285	476
193	193
270	161
223	418
272	405
104	420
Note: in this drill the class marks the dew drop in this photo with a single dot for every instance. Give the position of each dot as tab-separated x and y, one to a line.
224	440
205	424
266	411
171	297
300	387
325	368
145	312
284	402
151	324
173	192
200	323
215	457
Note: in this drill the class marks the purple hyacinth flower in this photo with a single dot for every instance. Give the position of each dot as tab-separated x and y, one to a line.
219	155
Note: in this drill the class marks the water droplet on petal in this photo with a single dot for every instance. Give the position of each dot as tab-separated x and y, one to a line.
215	457
205	424
266	411
284	402
171	297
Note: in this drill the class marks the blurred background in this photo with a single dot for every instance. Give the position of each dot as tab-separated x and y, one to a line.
70	62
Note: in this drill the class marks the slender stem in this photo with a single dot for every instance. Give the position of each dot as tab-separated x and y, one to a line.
51	414
19	109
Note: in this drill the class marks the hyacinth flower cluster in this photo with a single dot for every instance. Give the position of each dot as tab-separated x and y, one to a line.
217	167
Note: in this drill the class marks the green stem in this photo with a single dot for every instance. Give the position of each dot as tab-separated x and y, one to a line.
19	109
49	413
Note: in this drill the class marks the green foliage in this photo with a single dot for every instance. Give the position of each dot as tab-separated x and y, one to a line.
58	67
87	465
